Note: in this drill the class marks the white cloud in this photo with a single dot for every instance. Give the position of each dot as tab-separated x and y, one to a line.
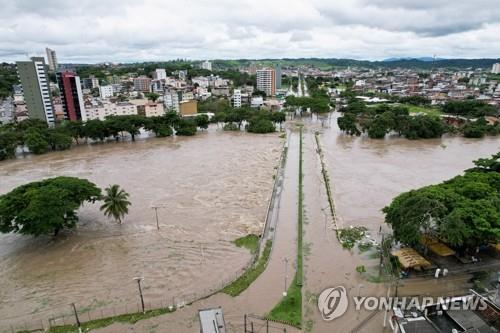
126	30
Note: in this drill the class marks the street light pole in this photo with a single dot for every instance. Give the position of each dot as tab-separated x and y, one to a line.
286	273
78	324
156	213
139	279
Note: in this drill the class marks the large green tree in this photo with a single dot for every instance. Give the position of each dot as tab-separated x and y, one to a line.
464	211
46	206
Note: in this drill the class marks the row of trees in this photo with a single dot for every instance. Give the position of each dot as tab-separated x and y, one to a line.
379	120
39	138
233	119
257	121
463	212
469	108
50	205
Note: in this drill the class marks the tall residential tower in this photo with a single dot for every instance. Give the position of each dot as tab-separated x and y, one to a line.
35	82
71	96
266	81
52	59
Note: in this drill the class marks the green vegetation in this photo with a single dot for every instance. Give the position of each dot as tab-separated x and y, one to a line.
350	236
152	96
379	120
95	324
430	111
39	138
363	247
261	125
480	128
8	77
46	206
289	310
186	127
361	269
244	281
318	102
232	119
463	212
250	242
468	108
115	202
415	100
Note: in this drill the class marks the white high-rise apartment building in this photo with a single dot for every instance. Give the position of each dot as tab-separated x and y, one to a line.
52	59
160	74
36	90
206	65
106	91
237	98
266	81
496	68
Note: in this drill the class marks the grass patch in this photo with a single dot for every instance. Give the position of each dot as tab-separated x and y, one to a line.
289	310
250	242
431	111
244	281
94	324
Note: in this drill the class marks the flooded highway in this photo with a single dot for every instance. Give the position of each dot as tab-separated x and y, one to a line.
212	189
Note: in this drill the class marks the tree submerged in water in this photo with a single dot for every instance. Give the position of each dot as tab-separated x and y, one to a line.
115	203
46	206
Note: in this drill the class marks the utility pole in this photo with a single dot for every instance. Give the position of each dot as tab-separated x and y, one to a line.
139	279
78	324
156	213
286	273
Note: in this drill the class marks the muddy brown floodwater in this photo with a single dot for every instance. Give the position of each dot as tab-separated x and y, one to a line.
212	188
368	173
365	175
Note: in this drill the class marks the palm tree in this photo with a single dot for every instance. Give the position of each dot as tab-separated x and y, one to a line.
115	202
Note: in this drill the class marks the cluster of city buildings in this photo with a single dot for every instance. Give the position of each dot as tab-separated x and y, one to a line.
439	86
74	98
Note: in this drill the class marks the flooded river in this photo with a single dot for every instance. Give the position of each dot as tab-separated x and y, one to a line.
367	173
211	188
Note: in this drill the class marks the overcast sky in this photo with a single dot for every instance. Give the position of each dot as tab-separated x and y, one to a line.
92	31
